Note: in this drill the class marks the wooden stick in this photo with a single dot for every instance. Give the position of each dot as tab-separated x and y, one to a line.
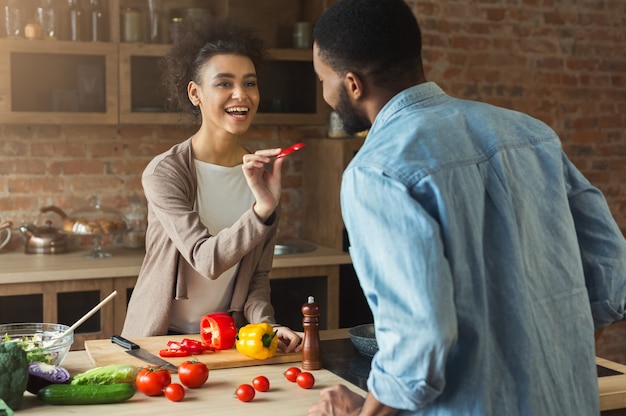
87	315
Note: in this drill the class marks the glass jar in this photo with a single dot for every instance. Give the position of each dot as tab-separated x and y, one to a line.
96	23
75	20
131	25
175	25
46	18
335	126
14	19
136	218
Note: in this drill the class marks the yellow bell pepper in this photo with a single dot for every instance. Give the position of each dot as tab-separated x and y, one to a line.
257	341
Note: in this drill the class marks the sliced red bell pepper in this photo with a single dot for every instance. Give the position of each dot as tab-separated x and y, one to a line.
174	352
218	330
191	346
194	346
175	345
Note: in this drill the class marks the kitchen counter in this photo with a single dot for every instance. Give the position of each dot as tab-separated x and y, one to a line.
341	362
17	267
216	397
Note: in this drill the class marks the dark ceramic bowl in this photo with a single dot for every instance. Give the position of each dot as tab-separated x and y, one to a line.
364	339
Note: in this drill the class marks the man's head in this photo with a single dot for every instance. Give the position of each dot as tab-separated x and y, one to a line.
362	46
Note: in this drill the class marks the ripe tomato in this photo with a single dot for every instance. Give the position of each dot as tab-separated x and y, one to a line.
193	374
152	380
261	383
291	374
305	380
245	392
175	392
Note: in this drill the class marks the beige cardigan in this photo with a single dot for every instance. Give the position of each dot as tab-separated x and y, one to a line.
175	234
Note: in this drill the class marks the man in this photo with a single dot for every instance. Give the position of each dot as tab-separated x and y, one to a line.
486	257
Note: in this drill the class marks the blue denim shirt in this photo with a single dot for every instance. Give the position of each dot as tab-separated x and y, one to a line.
486	258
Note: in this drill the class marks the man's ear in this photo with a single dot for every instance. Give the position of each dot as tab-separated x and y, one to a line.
354	85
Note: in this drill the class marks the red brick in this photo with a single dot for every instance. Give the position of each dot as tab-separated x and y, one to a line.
34	184
13	148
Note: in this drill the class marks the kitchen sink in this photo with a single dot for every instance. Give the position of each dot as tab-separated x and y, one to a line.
293	247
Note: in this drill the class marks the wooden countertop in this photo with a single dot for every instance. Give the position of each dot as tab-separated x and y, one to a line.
612	388
284	398
17	267
216	397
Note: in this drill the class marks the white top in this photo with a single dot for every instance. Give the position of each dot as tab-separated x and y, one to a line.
223	196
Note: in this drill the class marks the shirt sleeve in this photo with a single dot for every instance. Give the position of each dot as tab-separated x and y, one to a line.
602	247
398	254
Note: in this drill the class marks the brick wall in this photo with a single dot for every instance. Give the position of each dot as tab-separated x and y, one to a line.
65	165
562	61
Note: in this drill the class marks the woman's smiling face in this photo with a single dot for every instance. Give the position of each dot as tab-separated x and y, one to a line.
228	94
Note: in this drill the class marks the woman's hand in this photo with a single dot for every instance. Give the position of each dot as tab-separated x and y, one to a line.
288	340
264	183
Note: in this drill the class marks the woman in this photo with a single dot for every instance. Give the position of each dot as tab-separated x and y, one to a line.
211	219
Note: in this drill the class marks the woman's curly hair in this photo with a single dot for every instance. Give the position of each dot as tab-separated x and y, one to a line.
199	40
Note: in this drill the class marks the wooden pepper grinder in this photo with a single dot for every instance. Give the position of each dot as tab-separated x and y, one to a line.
311	343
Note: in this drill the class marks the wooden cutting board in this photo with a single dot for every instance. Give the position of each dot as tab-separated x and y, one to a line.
103	352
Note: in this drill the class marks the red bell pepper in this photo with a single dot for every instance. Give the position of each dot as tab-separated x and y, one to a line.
218	330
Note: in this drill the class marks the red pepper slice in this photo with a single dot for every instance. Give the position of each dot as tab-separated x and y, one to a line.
173	352
175	345
193	346
218	330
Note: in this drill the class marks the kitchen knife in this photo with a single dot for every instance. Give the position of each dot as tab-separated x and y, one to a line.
136	351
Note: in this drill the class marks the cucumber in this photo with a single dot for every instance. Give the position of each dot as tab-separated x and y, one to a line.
86	394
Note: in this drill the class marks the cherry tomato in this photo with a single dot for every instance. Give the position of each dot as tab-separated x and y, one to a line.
175	392
193	374
305	380
152	380
261	383
245	392
291	374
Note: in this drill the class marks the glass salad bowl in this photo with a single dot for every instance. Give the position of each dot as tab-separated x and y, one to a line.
40	340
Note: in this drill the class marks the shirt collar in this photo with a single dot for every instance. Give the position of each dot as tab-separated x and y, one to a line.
409	96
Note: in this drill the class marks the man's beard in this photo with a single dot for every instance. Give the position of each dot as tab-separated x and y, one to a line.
353	120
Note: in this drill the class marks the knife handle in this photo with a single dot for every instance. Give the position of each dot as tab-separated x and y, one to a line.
123	342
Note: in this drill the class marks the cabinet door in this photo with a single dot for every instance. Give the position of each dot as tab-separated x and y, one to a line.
74	298
44	82
142	98
290	91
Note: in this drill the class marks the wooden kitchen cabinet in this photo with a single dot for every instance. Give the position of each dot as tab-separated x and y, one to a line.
47	82
290	92
50	82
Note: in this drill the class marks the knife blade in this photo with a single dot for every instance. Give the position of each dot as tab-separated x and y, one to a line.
136	351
